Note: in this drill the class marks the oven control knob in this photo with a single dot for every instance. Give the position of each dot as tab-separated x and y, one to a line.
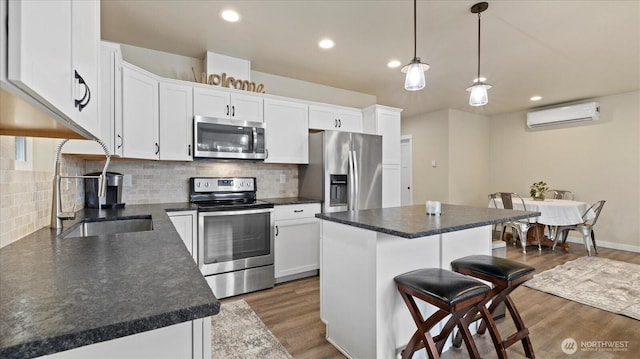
206	184
198	184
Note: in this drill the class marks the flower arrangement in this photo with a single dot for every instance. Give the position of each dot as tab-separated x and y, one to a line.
538	189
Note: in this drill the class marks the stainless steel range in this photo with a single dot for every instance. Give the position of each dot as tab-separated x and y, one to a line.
235	241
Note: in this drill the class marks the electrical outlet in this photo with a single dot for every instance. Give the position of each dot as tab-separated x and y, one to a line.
283	178
126	180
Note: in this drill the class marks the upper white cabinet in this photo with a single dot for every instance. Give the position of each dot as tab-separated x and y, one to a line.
385	121
53	49
325	117
176	121
225	104
110	106
140	118
287	139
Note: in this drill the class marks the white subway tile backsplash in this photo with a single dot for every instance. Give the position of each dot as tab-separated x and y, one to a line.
162	181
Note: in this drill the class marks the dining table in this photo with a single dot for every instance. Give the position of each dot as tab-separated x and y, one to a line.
553	213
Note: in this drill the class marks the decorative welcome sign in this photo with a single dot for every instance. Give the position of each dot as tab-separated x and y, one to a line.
226	71
228	81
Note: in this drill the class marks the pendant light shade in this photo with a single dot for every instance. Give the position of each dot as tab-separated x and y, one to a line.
479	95
415	79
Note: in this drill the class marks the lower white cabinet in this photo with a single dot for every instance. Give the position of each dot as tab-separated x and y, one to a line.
189	340
297	241
185	223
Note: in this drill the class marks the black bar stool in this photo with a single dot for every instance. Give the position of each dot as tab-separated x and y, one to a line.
453	294
506	276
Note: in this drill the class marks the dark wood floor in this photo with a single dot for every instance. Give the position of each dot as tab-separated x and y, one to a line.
292	313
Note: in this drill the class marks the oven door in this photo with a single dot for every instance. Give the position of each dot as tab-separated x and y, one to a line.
228	139
234	240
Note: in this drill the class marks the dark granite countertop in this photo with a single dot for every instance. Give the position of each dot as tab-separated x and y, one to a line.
289	200
59	294
413	222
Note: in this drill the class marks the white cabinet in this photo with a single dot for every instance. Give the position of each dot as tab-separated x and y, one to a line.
140	119
176	121
53	57
325	117
226	104
183	340
287	139
385	121
110	106
391	186
297	241
185	223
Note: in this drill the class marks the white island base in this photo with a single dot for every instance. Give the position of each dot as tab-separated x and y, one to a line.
359	302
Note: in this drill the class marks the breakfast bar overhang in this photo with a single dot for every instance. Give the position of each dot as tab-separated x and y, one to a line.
361	253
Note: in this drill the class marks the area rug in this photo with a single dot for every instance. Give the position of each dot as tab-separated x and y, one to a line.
238	332
599	282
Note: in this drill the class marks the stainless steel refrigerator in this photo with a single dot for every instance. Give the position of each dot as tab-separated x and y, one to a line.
344	171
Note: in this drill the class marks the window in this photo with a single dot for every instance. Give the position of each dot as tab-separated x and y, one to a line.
24	154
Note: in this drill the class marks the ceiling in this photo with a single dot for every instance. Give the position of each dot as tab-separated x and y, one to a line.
561	50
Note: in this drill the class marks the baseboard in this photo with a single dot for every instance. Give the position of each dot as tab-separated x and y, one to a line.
605	244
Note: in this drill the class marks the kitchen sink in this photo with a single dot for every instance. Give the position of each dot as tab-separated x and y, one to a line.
101	227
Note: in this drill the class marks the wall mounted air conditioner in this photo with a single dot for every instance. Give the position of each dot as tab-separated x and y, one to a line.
588	111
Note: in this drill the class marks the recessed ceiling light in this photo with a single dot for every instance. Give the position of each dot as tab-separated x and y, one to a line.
482	79
535	98
230	15
326	43
393	64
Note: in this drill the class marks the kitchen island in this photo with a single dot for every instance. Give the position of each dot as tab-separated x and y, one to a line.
136	294
361	253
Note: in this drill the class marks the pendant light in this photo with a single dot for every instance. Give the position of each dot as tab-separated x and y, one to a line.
479	96
415	69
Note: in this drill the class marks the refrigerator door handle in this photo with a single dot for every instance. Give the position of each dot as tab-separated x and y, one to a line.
356	181
350	198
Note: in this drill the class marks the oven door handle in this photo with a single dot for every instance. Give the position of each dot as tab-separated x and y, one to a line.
234	213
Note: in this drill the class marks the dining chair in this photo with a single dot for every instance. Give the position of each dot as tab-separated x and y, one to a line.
585	228
561	194
521	227
494	204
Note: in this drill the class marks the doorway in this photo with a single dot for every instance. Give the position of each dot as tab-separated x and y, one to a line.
406	170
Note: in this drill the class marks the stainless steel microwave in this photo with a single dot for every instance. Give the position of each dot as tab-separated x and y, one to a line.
228	139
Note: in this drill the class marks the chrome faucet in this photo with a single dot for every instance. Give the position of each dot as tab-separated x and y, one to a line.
57	215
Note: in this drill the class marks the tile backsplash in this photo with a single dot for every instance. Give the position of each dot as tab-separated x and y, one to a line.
164	182
26	195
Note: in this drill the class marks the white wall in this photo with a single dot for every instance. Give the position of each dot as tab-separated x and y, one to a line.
468	158
459	143
179	67
430	142
599	160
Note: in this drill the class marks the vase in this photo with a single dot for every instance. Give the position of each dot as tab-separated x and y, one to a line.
541	198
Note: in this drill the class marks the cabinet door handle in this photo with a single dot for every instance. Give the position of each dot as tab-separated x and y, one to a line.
189	150
266	153
335	122
84	101
120	145
227	110
157	148
340	123
298	210
277	231
233	111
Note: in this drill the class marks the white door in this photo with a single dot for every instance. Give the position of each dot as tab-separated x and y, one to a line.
406	168
176	121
